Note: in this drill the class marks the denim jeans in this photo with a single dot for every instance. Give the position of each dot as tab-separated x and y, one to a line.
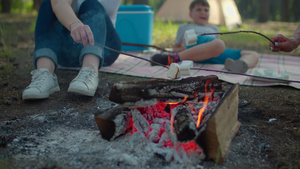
53	40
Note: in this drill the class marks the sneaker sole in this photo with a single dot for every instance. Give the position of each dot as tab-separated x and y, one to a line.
81	92
236	66
41	95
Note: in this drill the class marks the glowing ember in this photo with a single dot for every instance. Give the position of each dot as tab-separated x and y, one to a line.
157	122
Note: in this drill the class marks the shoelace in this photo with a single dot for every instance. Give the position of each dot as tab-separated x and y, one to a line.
38	78
85	75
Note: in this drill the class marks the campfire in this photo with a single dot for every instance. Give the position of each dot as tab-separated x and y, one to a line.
185	119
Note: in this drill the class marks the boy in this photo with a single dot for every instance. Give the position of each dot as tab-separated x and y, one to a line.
209	49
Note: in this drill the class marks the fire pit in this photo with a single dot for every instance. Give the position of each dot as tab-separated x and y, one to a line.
189	118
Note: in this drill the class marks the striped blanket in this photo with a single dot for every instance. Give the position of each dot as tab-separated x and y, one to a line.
136	67
279	64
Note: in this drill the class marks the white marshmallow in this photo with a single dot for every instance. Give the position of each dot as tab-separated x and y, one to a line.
190	37
173	71
269	72
185	67
259	72
284	75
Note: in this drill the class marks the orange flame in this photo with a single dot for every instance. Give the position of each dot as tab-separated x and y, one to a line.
175	103
206	101
169	60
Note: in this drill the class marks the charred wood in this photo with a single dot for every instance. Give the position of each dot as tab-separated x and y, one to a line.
162	90
114	122
184	124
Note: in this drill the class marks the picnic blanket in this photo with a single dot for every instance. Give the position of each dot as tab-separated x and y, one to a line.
127	65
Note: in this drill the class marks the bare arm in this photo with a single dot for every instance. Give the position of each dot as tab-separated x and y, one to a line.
284	43
296	35
64	12
80	33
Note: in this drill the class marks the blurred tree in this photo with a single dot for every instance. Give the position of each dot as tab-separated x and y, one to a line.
295	12
285	4
36	4
264	8
5	6
275	10
247	8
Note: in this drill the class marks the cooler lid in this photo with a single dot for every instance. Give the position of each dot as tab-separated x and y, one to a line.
135	8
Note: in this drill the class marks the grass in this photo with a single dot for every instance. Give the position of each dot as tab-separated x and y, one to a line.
16	39
6	56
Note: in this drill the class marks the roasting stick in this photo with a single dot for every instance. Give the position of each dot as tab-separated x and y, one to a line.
222	33
211	70
131	55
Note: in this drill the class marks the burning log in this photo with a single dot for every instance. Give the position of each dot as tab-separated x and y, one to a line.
184	124
162	90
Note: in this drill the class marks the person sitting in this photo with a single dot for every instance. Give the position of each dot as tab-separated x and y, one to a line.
209	49
65	34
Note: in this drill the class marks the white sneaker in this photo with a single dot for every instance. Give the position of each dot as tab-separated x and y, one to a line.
42	85
85	83
236	66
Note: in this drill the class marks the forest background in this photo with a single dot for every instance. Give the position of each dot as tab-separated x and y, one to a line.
259	10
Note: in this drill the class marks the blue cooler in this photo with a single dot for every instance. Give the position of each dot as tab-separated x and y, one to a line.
135	25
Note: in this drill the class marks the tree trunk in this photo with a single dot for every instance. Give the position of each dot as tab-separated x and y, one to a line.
285	10
37	4
295	10
143	2
5	6
263	15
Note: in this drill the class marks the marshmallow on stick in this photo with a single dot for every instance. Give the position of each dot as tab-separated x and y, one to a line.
190	37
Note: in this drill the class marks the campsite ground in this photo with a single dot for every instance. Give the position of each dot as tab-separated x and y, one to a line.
275	142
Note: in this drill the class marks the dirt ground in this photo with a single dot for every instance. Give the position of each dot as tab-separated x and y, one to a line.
269	136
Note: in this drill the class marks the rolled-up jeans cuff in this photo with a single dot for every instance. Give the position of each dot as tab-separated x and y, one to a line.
95	50
45	52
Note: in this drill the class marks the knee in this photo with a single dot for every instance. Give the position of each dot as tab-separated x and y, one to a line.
87	6
254	55
219	46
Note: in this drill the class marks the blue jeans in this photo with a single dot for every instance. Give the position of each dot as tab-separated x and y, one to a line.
53	40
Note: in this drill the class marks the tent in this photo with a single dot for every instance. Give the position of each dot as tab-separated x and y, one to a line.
222	12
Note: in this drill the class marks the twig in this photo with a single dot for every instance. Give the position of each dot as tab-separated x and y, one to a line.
131	55
222	33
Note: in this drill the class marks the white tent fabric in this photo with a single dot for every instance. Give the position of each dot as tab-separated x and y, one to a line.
222	12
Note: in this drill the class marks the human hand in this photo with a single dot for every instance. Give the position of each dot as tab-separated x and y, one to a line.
283	43
82	34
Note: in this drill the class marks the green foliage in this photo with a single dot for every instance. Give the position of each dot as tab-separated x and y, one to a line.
32	26
164	33
156	4
6	56
21	6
